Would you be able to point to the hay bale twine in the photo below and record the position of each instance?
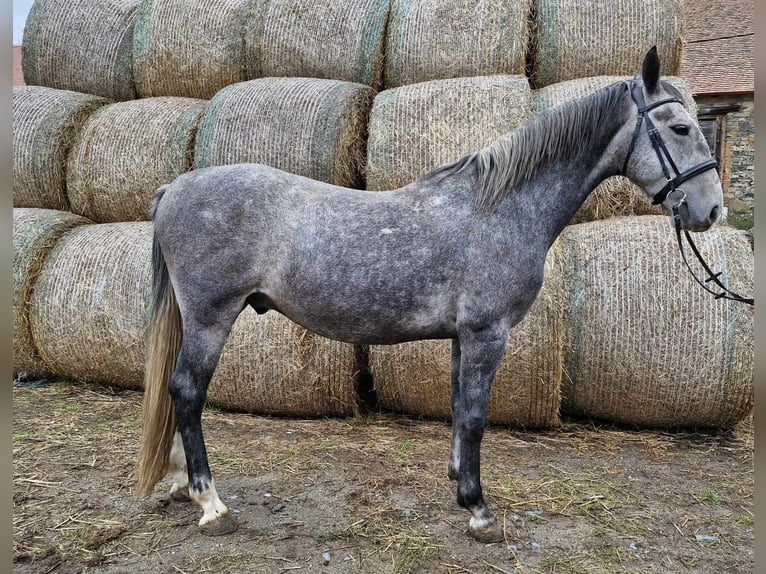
(45, 123)
(35, 232)
(577, 39)
(307, 126)
(89, 310)
(645, 344)
(432, 40)
(81, 45)
(415, 377)
(616, 196)
(125, 151)
(271, 365)
(340, 39)
(188, 48)
(416, 128)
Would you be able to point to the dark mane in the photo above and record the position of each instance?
(559, 132)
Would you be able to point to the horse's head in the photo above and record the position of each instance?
(668, 156)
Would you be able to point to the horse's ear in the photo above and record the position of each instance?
(651, 70)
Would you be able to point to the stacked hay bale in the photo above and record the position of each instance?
(307, 126)
(89, 316)
(271, 365)
(645, 344)
(416, 128)
(617, 196)
(188, 48)
(429, 40)
(340, 39)
(35, 232)
(127, 150)
(415, 377)
(88, 312)
(580, 39)
(45, 123)
(81, 45)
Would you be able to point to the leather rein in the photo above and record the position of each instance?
(673, 181)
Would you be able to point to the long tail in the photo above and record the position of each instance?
(159, 423)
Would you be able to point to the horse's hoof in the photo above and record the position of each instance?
(181, 495)
(224, 524)
(488, 534)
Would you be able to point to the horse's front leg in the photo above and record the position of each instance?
(453, 471)
(480, 353)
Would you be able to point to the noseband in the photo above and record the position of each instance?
(673, 183)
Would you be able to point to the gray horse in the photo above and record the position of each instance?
(457, 254)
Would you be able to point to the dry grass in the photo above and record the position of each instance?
(373, 493)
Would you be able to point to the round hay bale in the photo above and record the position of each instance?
(415, 377)
(81, 45)
(270, 365)
(577, 39)
(45, 123)
(307, 126)
(616, 196)
(416, 128)
(188, 48)
(340, 39)
(645, 344)
(89, 310)
(125, 151)
(35, 232)
(432, 40)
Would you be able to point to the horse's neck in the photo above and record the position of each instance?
(552, 197)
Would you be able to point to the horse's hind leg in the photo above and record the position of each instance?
(200, 349)
(177, 468)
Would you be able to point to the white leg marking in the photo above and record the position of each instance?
(177, 465)
(212, 507)
(478, 523)
(454, 458)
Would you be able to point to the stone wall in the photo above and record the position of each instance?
(737, 154)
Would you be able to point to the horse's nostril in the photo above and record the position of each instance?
(714, 213)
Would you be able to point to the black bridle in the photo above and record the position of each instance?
(673, 181)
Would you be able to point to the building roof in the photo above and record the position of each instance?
(18, 75)
(718, 55)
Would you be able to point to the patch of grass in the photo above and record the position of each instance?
(746, 520)
(741, 221)
(712, 496)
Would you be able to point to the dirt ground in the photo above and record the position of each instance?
(371, 494)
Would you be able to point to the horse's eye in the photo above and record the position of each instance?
(680, 129)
